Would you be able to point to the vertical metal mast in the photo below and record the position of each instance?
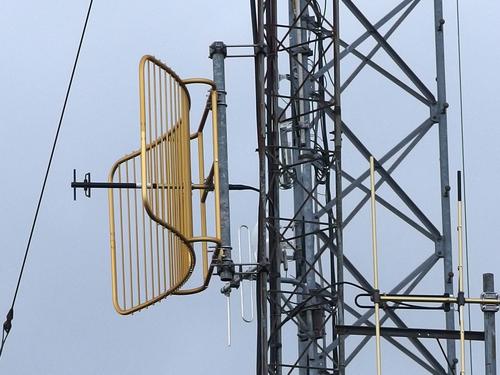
(304, 298)
(275, 254)
(308, 178)
(490, 360)
(217, 53)
(257, 13)
(304, 225)
(339, 242)
(439, 115)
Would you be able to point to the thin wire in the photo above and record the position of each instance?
(10, 314)
(5, 334)
(460, 90)
(446, 357)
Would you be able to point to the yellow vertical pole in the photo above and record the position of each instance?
(216, 164)
(460, 274)
(375, 264)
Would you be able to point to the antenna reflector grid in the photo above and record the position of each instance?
(151, 230)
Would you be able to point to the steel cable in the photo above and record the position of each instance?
(462, 138)
(10, 315)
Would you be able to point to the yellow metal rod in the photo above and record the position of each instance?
(429, 299)
(161, 166)
(203, 208)
(461, 285)
(432, 299)
(155, 175)
(120, 199)
(375, 264)
(168, 152)
(216, 164)
(148, 174)
(131, 281)
(137, 237)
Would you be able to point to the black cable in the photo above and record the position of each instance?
(240, 187)
(352, 284)
(5, 334)
(446, 357)
(10, 315)
(408, 306)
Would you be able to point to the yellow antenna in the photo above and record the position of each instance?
(152, 233)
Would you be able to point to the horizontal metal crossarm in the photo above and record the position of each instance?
(420, 333)
(416, 276)
(130, 185)
(293, 367)
(390, 51)
(133, 185)
(438, 299)
(391, 340)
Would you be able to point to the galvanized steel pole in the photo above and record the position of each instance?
(438, 115)
(257, 9)
(490, 362)
(218, 52)
(339, 239)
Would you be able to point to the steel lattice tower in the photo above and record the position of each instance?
(300, 137)
(319, 166)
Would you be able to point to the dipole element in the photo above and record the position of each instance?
(375, 264)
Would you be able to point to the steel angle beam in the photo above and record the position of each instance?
(421, 333)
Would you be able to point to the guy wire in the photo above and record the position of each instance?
(461, 102)
(10, 315)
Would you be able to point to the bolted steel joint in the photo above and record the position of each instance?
(376, 296)
(446, 305)
(440, 24)
(226, 266)
(489, 307)
(461, 299)
(217, 48)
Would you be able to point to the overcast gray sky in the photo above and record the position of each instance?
(64, 320)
